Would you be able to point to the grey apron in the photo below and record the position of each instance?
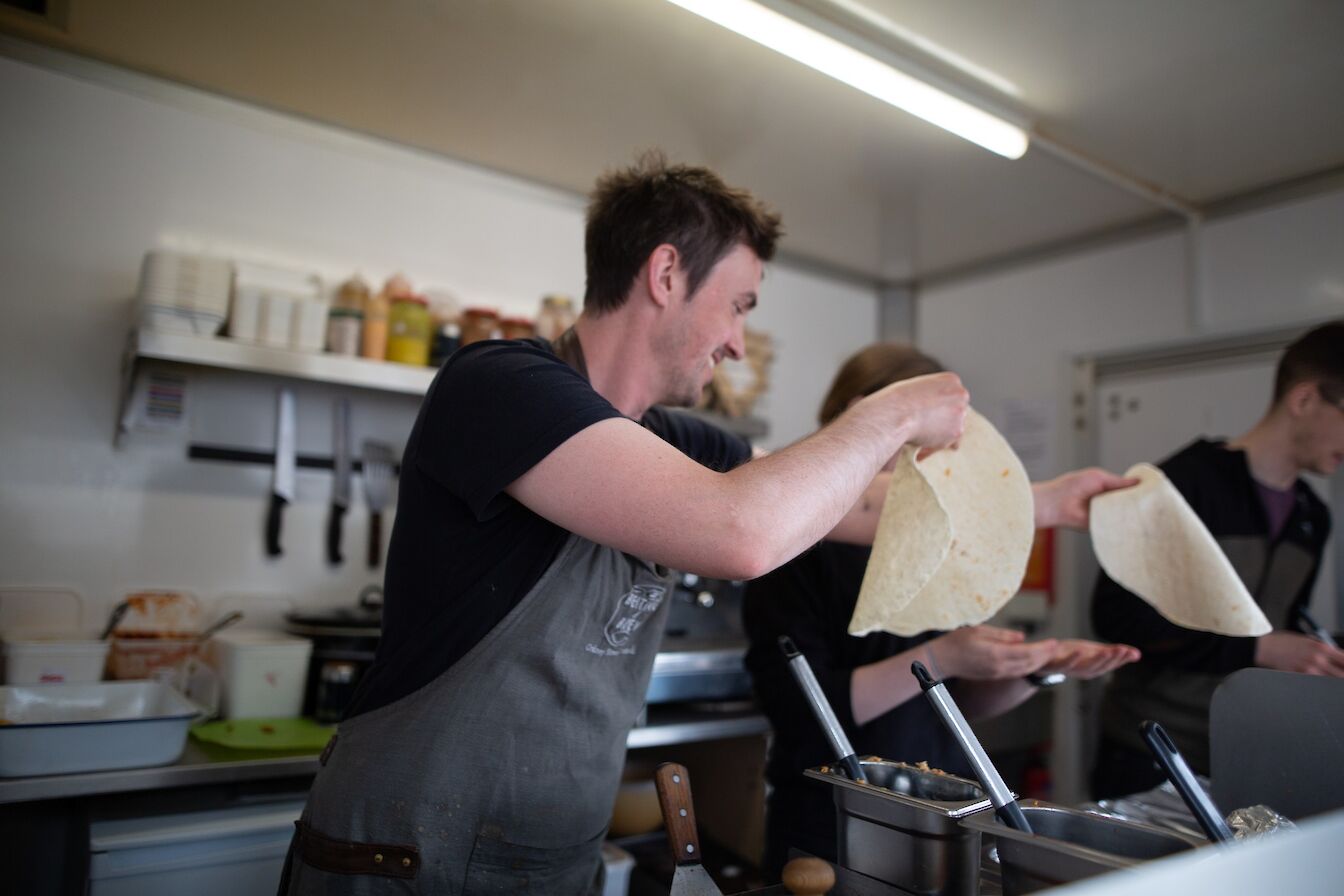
(1179, 699)
(499, 775)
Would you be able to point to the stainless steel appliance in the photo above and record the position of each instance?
(701, 656)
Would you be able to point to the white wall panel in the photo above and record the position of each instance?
(98, 165)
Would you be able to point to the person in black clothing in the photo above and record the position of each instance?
(1272, 527)
(867, 680)
(543, 501)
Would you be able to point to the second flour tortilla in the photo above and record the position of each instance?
(1149, 540)
(953, 539)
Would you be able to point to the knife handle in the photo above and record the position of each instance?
(375, 538)
(674, 796)
(277, 504)
(334, 534)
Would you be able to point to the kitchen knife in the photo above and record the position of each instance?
(674, 796)
(282, 482)
(377, 468)
(340, 481)
(1005, 806)
(1183, 779)
(821, 707)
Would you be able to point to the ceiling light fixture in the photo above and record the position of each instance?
(863, 72)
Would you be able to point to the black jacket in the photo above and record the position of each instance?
(1180, 667)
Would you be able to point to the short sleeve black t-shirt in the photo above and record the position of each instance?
(463, 553)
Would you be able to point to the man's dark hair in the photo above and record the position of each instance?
(637, 209)
(1317, 356)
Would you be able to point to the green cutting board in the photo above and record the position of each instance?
(266, 734)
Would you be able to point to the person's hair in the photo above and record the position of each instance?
(637, 209)
(871, 369)
(1317, 356)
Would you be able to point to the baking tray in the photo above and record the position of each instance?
(51, 729)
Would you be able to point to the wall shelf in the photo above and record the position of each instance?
(206, 351)
(386, 376)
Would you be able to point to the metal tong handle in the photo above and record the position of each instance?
(1183, 779)
(1313, 628)
(674, 796)
(1005, 806)
(816, 698)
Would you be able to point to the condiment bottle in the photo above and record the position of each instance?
(346, 319)
(478, 324)
(409, 331)
(556, 316)
(516, 328)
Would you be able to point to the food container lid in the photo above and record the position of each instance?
(480, 312)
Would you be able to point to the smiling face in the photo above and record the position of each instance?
(706, 327)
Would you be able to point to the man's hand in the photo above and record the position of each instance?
(986, 653)
(1088, 659)
(1063, 501)
(932, 408)
(1292, 652)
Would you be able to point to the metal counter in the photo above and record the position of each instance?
(203, 764)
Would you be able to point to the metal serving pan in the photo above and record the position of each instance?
(1068, 845)
(902, 827)
(50, 729)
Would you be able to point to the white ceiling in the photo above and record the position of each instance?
(1204, 98)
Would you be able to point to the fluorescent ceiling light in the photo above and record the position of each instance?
(862, 72)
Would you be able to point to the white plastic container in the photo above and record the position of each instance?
(263, 673)
(619, 864)
(64, 728)
(32, 658)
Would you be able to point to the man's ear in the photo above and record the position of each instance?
(1301, 398)
(663, 271)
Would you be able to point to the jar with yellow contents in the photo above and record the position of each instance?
(409, 331)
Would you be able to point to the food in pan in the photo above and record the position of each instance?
(953, 539)
(1150, 541)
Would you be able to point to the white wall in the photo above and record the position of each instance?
(97, 165)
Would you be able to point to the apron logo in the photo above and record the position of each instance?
(634, 609)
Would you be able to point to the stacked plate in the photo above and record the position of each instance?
(181, 293)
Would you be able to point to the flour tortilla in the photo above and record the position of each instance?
(965, 514)
(1150, 541)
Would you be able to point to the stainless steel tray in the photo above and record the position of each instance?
(902, 827)
(1067, 845)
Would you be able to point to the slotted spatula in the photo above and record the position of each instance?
(377, 472)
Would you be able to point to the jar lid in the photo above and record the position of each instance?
(481, 312)
(557, 299)
(516, 321)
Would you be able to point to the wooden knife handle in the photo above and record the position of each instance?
(674, 795)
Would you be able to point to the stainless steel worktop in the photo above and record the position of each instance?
(204, 764)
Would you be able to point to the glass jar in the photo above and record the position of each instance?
(516, 328)
(409, 331)
(478, 324)
(556, 316)
(343, 331)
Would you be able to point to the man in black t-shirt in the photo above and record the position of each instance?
(543, 498)
(1273, 528)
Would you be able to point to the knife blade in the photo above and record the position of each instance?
(282, 479)
(340, 483)
(674, 796)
